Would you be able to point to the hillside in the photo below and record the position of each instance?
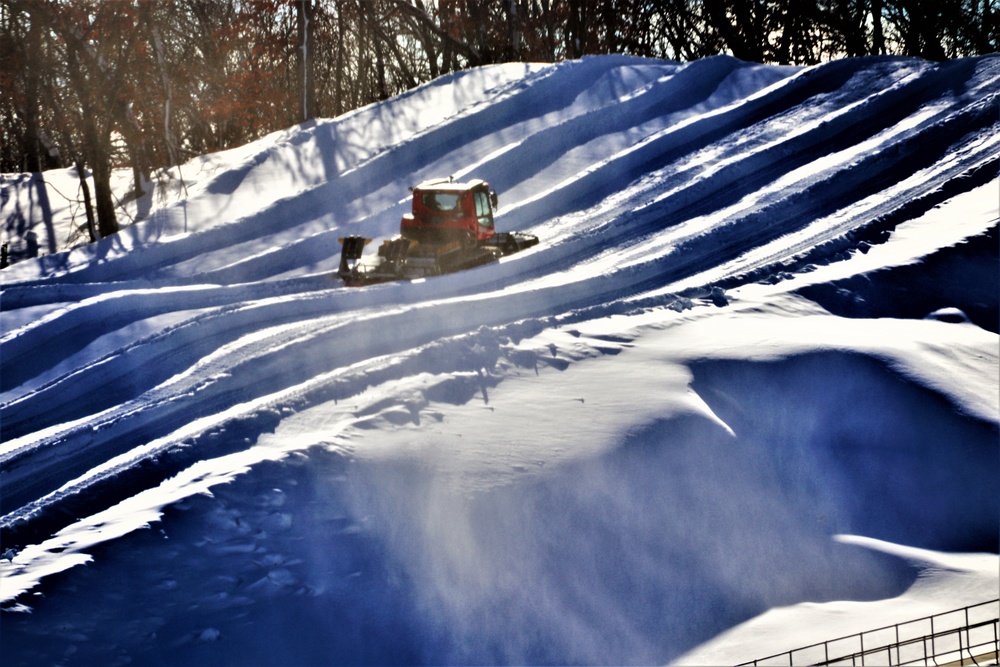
(752, 365)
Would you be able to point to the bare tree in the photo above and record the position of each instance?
(149, 84)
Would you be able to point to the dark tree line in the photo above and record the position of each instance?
(147, 84)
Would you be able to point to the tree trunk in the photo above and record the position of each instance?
(33, 160)
(87, 205)
(738, 35)
(609, 18)
(851, 24)
(383, 91)
(513, 29)
(929, 30)
(575, 26)
(878, 36)
(550, 31)
(97, 146)
(305, 10)
(426, 41)
(107, 222)
(168, 93)
(96, 150)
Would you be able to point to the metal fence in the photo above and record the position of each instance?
(966, 636)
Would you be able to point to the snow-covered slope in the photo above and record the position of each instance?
(762, 317)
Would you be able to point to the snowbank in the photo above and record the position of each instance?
(741, 398)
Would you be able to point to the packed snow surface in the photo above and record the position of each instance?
(741, 398)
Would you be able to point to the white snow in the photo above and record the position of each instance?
(742, 398)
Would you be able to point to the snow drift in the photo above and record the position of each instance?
(762, 318)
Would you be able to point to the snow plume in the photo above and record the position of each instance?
(632, 556)
(677, 527)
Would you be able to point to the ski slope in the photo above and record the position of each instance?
(752, 365)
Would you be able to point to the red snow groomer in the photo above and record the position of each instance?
(449, 229)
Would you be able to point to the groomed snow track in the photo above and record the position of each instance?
(126, 361)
